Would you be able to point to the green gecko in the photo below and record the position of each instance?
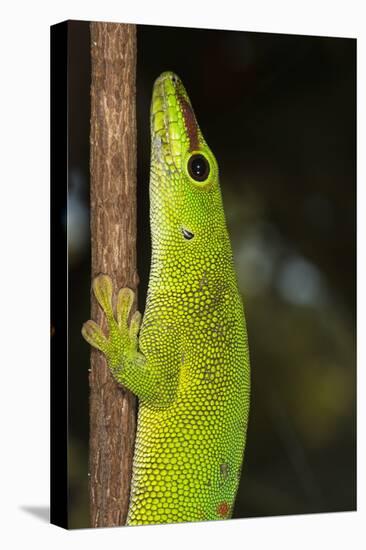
(189, 362)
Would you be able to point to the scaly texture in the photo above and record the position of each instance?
(190, 365)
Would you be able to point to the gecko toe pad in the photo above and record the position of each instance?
(125, 300)
(103, 290)
(93, 334)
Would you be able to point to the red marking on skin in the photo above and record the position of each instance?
(223, 509)
(190, 123)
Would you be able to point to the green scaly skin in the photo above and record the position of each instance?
(189, 366)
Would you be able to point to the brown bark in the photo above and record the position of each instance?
(113, 241)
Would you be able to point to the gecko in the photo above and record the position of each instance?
(187, 358)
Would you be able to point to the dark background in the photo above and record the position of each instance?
(279, 112)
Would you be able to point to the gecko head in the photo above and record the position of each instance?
(185, 197)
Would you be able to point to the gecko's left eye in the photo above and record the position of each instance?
(198, 167)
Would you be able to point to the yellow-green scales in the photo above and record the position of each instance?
(189, 364)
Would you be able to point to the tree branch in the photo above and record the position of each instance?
(113, 243)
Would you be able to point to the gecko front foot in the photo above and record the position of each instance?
(121, 342)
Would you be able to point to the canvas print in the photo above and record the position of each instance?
(204, 309)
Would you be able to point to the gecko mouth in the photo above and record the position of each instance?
(173, 122)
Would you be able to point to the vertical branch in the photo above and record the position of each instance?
(113, 240)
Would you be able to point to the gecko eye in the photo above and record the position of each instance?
(198, 167)
(187, 234)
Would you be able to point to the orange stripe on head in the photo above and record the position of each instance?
(190, 123)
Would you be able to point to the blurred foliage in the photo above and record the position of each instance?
(279, 113)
